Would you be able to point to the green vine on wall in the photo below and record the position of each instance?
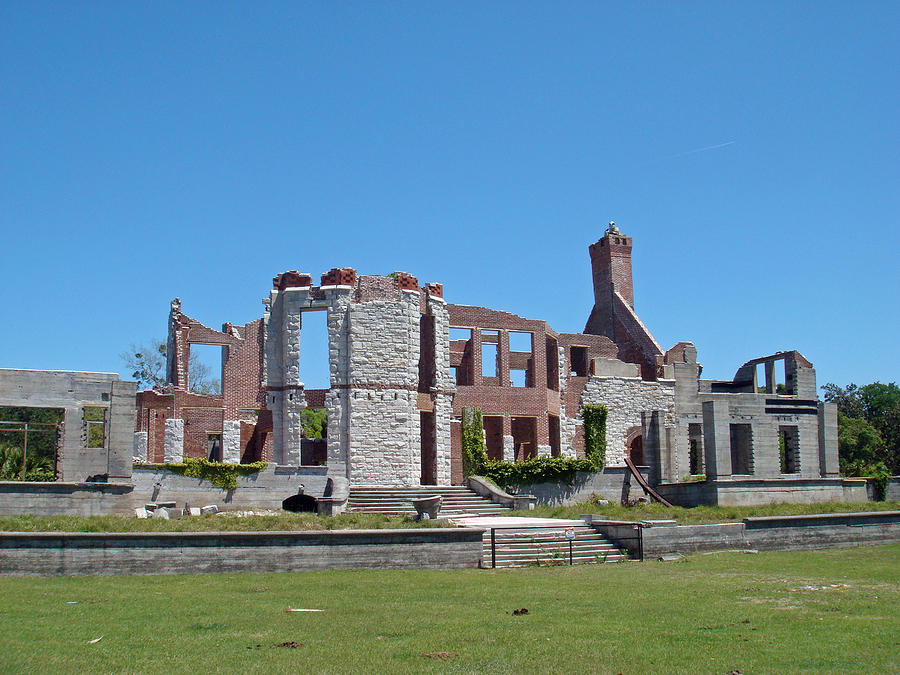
(474, 452)
(594, 417)
(221, 475)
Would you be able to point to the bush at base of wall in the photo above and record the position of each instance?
(221, 475)
(536, 469)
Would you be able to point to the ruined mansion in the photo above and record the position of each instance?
(404, 363)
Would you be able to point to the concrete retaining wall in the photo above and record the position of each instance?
(606, 484)
(756, 491)
(777, 533)
(65, 499)
(264, 490)
(76, 554)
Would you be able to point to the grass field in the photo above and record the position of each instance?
(703, 515)
(825, 611)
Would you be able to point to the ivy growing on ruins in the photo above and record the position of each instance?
(513, 475)
(474, 452)
(221, 475)
(594, 418)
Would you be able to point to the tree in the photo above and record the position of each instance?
(314, 422)
(868, 426)
(149, 369)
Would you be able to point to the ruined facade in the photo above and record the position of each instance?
(403, 364)
(96, 432)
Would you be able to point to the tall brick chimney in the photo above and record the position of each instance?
(611, 268)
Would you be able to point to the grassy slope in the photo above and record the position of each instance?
(702, 515)
(831, 611)
(211, 523)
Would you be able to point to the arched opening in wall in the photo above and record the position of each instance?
(634, 446)
(300, 504)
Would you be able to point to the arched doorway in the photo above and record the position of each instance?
(634, 446)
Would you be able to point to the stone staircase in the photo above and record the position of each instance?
(395, 501)
(546, 546)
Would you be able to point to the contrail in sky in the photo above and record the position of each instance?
(709, 147)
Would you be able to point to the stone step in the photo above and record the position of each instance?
(388, 500)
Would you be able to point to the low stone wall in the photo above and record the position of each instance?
(756, 491)
(89, 553)
(891, 492)
(777, 533)
(67, 499)
(606, 484)
(264, 490)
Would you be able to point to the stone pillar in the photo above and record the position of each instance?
(653, 431)
(828, 440)
(716, 440)
(444, 387)
(231, 442)
(173, 443)
(140, 446)
(509, 448)
(544, 451)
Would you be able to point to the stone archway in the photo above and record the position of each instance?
(634, 446)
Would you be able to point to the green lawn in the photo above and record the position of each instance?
(703, 515)
(832, 611)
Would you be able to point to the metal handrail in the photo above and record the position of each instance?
(526, 527)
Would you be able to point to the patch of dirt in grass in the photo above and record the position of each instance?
(438, 655)
(290, 644)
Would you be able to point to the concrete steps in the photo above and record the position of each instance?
(518, 548)
(396, 501)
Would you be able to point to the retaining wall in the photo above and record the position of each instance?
(264, 490)
(606, 484)
(649, 539)
(89, 553)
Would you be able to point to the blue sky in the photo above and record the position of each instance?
(154, 150)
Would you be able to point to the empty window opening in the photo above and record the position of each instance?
(780, 374)
(493, 436)
(94, 426)
(553, 430)
(762, 384)
(789, 449)
(524, 433)
(490, 354)
(428, 444)
(314, 372)
(520, 342)
(695, 449)
(518, 377)
(214, 447)
(464, 334)
(426, 353)
(552, 365)
(578, 360)
(205, 369)
(454, 373)
(741, 449)
(29, 439)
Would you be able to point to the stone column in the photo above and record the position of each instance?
(828, 440)
(653, 431)
(231, 442)
(140, 446)
(173, 444)
(716, 440)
